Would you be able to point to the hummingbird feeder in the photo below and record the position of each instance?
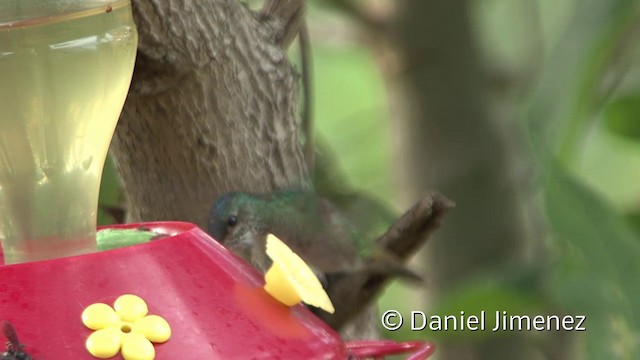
(66, 67)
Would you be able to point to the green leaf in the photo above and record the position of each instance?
(598, 271)
(634, 220)
(568, 91)
(622, 117)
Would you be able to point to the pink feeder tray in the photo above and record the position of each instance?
(213, 301)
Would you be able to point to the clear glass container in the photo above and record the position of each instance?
(65, 70)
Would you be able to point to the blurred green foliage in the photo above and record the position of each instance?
(596, 269)
(111, 195)
(588, 164)
(352, 117)
(621, 117)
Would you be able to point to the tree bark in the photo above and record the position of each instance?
(212, 108)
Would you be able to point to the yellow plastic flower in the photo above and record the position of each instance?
(290, 280)
(125, 326)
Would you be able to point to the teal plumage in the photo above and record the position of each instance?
(310, 225)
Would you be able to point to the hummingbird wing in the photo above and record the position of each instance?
(352, 291)
(316, 230)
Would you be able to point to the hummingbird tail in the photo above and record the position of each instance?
(386, 264)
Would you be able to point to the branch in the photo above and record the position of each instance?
(405, 236)
(289, 17)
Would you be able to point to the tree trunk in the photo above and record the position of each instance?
(448, 140)
(212, 108)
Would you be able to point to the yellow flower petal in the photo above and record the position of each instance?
(279, 287)
(104, 343)
(99, 316)
(289, 267)
(136, 347)
(130, 307)
(154, 327)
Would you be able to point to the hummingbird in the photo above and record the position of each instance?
(312, 226)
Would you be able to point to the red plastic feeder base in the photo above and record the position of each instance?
(213, 301)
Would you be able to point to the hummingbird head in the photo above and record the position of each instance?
(235, 221)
